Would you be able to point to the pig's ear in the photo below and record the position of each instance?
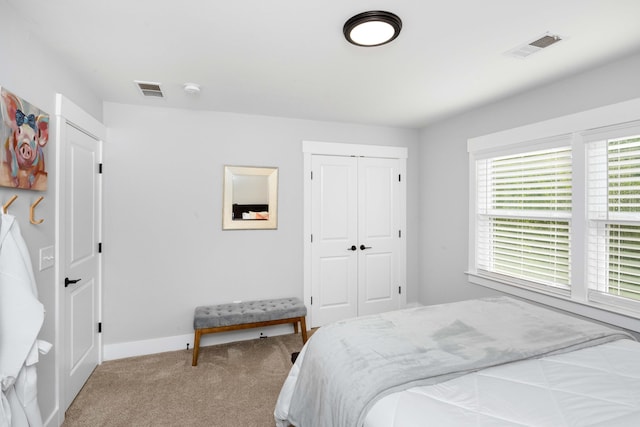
(42, 123)
(10, 104)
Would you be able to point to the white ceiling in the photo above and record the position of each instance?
(289, 58)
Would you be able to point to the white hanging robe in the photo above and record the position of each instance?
(21, 317)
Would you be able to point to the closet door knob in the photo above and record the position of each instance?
(352, 248)
(68, 281)
(363, 247)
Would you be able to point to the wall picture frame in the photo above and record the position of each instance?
(250, 198)
(24, 133)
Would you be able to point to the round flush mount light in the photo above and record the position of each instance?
(373, 28)
(192, 88)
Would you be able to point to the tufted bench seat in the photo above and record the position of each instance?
(209, 319)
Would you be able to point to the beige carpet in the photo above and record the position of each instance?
(234, 384)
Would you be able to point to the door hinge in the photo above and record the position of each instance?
(399, 177)
(99, 327)
(312, 175)
(100, 247)
(311, 300)
(400, 234)
(99, 167)
(399, 290)
(311, 238)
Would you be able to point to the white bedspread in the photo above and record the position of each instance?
(347, 366)
(595, 386)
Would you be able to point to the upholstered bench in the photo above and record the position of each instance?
(209, 319)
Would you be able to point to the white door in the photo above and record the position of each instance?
(82, 264)
(334, 250)
(354, 223)
(378, 235)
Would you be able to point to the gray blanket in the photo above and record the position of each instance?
(349, 365)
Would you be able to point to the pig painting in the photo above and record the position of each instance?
(24, 131)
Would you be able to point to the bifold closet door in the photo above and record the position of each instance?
(355, 237)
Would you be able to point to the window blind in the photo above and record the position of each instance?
(537, 183)
(614, 213)
(524, 206)
(566, 235)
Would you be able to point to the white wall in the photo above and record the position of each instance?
(164, 248)
(444, 232)
(31, 72)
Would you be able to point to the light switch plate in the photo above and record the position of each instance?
(46, 257)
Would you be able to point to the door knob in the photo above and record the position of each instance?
(68, 281)
(352, 248)
(363, 247)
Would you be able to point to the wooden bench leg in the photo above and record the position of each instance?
(303, 327)
(199, 332)
(196, 347)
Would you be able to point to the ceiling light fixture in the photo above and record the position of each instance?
(373, 28)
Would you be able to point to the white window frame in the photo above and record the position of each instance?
(484, 211)
(579, 300)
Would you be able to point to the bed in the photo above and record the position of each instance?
(249, 212)
(487, 362)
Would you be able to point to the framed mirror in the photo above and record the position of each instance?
(250, 198)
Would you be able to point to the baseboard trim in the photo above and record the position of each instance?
(179, 342)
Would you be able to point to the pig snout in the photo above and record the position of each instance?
(25, 144)
(26, 152)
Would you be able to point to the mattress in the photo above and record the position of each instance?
(595, 386)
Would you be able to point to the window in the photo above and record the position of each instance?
(559, 216)
(523, 221)
(613, 203)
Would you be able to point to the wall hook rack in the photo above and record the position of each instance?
(32, 209)
(5, 207)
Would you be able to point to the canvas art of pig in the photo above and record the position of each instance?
(27, 132)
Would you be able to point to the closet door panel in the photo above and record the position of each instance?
(334, 282)
(379, 274)
(334, 231)
(375, 189)
(378, 235)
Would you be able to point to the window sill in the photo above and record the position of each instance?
(600, 308)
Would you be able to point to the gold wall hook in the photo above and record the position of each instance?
(32, 209)
(5, 207)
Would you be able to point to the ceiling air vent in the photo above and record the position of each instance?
(534, 46)
(150, 89)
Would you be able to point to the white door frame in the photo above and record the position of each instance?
(310, 148)
(69, 113)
